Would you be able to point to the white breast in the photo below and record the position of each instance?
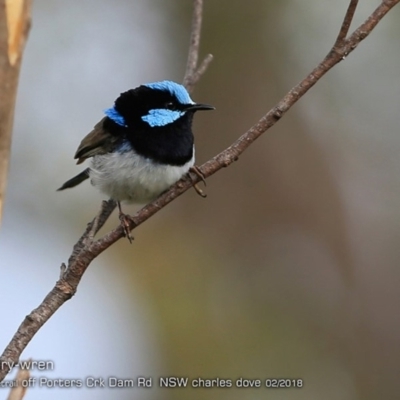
(130, 177)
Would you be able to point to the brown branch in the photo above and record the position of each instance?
(195, 34)
(201, 70)
(87, 249)
(192, 74)
(14, 27)
(344, 30)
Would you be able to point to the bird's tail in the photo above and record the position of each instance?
(76, 180)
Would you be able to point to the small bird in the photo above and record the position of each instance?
(142, 146)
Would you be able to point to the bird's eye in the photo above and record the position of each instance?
(170, 106)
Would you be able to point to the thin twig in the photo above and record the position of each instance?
(107, 207)
(66, 287)
(195, 34)
(194, 46)
(344, 29)
(201, 70)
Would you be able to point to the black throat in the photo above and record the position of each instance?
(171, 144)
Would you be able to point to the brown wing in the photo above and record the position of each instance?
(98, 141)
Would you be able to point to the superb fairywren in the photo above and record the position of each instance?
(143, 145)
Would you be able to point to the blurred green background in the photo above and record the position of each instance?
(289, 268)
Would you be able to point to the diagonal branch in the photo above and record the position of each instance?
(88, 250)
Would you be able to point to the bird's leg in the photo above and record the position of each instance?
(197, 171)
(125, 219)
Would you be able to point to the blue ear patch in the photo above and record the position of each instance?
(114, 115)
(162, 117)
(175, 89)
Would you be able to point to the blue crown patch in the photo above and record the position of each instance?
(175, 89)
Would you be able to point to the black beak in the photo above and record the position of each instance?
(198, 107)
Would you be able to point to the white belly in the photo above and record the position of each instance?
(132, 178)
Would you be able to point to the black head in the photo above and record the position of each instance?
(156, 119)
(153, 105)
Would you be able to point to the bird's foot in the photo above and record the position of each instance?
(197, 171)
(125, 220)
